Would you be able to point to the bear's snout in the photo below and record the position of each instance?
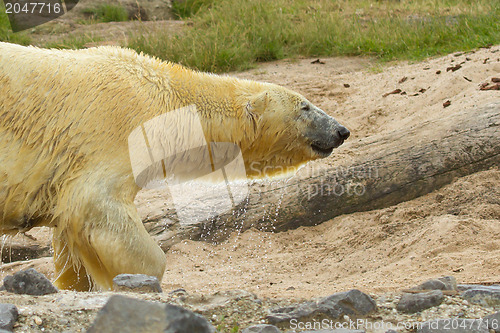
(324, 132)
(343, 132)
(324, 144)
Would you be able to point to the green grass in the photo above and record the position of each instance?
(107, 13)
(235, 34)
(188, 8)
(73, 42)
(6, 34)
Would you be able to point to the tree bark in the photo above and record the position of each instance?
(383, 170)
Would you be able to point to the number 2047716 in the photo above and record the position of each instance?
(33, 8)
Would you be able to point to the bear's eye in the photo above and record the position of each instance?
(305, 106)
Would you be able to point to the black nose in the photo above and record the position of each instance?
(343, 132)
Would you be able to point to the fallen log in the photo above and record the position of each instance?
(383, 170)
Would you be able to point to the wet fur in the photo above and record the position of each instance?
(65, 117)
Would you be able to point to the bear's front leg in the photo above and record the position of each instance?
(69, 274)
(110, 239)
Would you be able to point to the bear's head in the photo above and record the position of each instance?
(274, 129)
(287, 131)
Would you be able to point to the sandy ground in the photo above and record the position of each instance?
(452, 231)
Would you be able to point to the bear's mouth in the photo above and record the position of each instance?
(322, 151)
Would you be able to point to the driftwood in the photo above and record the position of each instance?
(383, 170)
(15, 250)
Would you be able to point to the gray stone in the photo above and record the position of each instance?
(412, 303)
(493, 322)
(29, 282)
(299, 311)
(443, 283)
(484, 296)
(8, 316)
(464, 287)
(137, 282)
(432, 285)
(449, 281)
(261, 328)
(454, 325)
(129, 315)
(353, 303)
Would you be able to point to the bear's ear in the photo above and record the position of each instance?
(257, 103)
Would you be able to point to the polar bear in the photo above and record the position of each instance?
(65, 119)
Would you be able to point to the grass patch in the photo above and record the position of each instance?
(6, 34)
(73, 42)
(235, 34)
(188, 8)
(107, 13)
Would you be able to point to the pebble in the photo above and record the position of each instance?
(352, 303)
(493, 322)
(29, 282)
(412, 303)
(464, 287)
(129, 315)
(37, 320)
(443, 283)
(137, 283)
(8, 316)
(484, 296)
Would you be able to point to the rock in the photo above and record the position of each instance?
(464, 287)
(411, 303)
(484, 296)
(136, 282)
(443, 283)
(125, 314)
(218, 300)
(449, 281)
(299, 311)
(352, 303)
(454, 325)
(432, 285)
(8, 316)
(493, 322)
(29, 282)
(261, 328)
(37, 320)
